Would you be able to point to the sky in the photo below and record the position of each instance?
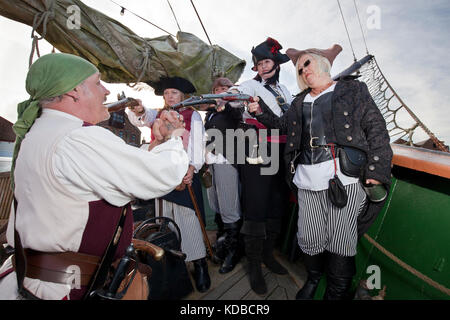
(410, 40)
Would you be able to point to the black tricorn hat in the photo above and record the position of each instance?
(269, 49)
(179, 83)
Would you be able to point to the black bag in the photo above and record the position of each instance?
(337, 193)
(170, 278)
(351, 161)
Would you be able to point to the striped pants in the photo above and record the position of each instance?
(322, 226)
(191, 233)
(223, 196)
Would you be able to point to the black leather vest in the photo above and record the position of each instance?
(313, 130)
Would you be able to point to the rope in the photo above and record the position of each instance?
(201, 22)
(348, 35)
(390, 104)
(174, 15)
(360, 26)
(142, 67)
(40, 18)
(142, 18)
(415, 272)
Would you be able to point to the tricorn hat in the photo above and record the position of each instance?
(179, 83)
(269, 49)
(329, 53)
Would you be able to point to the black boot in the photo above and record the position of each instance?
(340, 272)
(231, 243)
(253, 251)
(272, 231)
(315, 266)
(220, 226)
(201, 275)
(219, 251)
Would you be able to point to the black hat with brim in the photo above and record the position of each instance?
(269, 49)
(179, 83)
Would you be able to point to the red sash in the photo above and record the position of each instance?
(259, 125)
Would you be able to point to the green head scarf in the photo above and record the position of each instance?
(49, 76)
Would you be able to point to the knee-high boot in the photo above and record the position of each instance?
(253, 250)
(340, 272)
(315, 266)
(272, 231)
(254, 234)
(219, 246)
(231, 244)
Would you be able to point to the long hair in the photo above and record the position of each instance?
(183, 96)
(273, 79)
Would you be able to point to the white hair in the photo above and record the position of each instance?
(49, 102)
(323, 64)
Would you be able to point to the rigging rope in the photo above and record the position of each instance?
(201, 22)
(406, 266)
(348, 35)
(174, 15)
(390, 104)
(360, 26)
(39, 19)
(123, 8)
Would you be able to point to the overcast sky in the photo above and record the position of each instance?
(410, 41)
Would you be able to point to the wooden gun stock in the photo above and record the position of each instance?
(156, 252)
(122, 103)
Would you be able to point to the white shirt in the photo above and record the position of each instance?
(197, 139)
(256, 88)
(316, 176)
(61, 167)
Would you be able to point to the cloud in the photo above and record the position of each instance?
(411, 47)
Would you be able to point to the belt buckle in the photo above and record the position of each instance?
(311, 142)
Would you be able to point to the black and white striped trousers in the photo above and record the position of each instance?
(224, 194)
(322, 226)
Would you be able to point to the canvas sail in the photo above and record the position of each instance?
(120, 54)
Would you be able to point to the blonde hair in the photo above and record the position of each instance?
(323, 64)
(183, 97)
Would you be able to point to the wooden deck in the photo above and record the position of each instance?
(236, 286)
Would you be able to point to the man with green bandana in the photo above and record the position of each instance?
(71, 178)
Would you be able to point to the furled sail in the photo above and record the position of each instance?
(120, 54)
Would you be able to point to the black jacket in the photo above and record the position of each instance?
(356, 121)
(226, 119)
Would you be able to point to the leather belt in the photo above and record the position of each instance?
(60, 267)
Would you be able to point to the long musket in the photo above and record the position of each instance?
(211, 99)
(202, 226)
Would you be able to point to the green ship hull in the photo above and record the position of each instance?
(414, 227)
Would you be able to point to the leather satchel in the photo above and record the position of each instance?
(351, 161)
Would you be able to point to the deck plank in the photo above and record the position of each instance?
(236, 285)
(225, 285)
(271, 284)
(288, 283)
(278, 294)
